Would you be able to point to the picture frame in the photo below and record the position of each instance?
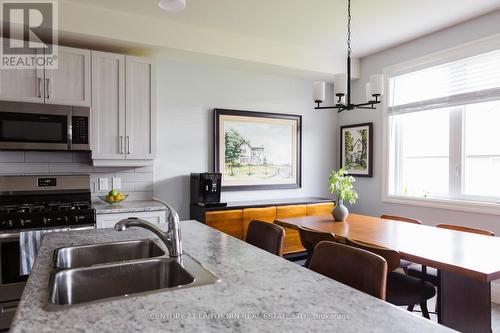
(356, 149)
(257, 150)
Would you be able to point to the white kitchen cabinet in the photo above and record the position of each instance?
(109, 220)
(108, 106)
(140, 109)
(22, 85)
(123, 109)
(69, 84)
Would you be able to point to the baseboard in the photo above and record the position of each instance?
(495, 292)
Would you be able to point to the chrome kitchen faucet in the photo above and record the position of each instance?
(171, 238)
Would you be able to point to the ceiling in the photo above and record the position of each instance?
(315, 24)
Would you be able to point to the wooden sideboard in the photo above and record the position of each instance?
(235, 217)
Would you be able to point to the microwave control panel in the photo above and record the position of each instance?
(80, 130)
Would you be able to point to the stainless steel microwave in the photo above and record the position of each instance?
(57, 128)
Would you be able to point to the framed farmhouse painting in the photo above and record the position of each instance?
(356, 149)
(256, 150)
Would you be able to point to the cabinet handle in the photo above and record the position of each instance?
(40, 87)
(120, 144)
(128, 145)
(47, 80)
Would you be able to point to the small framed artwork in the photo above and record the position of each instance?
(257, 150)
(356, 149)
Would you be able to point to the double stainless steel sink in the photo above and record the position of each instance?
(98, 272)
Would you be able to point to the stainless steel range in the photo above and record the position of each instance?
(35, 203)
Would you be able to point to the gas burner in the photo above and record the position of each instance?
(65, 206)
(38, 208)
(53, 206)
(81, 205)
(24, 208)
(7, 209)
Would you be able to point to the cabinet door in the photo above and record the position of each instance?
(227, 221)
(22, 85)
(108, 106)
(109, 220)
(140, 109)
(292, 238)
(69, 84)
(265, 214)
(320, 209)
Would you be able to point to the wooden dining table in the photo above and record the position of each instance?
(467, 263)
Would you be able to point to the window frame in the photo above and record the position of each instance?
(457, 200)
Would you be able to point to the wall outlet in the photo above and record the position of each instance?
(117, 183)
(103, 184)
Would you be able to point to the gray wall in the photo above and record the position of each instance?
(189, 90)
(370, 188)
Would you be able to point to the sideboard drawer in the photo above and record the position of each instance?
(227, 221)
(265, 214)
(292, 238)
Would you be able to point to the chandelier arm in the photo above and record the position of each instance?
(329, 107)
(370, 103)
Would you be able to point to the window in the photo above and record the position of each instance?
(443, 130)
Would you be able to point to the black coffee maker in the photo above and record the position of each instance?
(206, 189)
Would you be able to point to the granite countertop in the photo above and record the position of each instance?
(127, 207)
(258, 292)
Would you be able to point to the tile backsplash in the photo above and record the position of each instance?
(136, 182)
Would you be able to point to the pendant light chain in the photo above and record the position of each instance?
(348, 28)
(374, 89)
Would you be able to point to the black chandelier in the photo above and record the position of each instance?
(342, 83)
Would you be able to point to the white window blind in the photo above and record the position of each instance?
(471, 80)
(444, 130)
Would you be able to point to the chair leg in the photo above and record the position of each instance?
(438, 300)
(425, 311)
(410, 308)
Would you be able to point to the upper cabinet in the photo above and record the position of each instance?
(22, 85)
(69, 84)
(140, 115)
(123, 110)
(108, 106)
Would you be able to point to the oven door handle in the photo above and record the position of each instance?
(15, 234)
(8, 308)
(5, 235)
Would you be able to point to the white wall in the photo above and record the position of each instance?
(189, 90)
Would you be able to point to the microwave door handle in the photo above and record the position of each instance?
(70, 129)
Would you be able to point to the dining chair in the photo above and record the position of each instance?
(266, 236)
(430, 274)
(402, 289)
(404, 264)
(400, 219)
(310, 238)
(357, 268)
